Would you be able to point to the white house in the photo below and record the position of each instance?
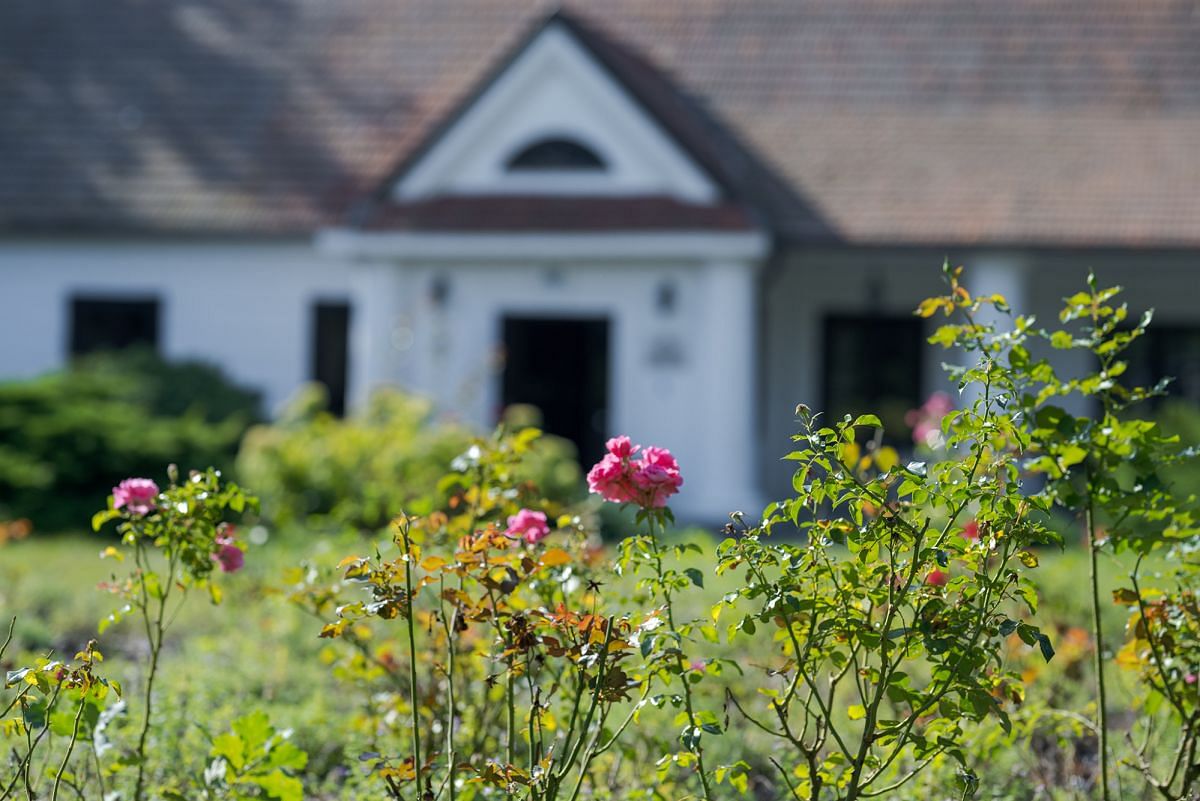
(670, 220)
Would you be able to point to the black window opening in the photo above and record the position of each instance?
(561, 367)
(1166, 351)
(873, 365)
(331, 350)
(111, 324)
(556, 154)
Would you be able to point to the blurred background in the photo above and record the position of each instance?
(297, 238)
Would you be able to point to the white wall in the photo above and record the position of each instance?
(452, 352)
(245, 307)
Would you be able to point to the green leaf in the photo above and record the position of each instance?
(280, 786)
(696, 576)
(231, 748)
(286, 754)
(1061, 340)
(153, 585)
(254, 729)
(1045, 646)
(100, 518)
(1071, 455)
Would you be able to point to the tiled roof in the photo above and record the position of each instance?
(1074, 122)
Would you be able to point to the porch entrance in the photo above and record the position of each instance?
(561, 367)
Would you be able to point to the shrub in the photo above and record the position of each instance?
(486, 649)
(68, 437)
(317, 470)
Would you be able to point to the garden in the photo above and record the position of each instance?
(391, 606)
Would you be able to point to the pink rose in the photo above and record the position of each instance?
(659, 457)
(135, 494)
(647, 480)
(621, 447)
(528, 525)
(228, 556)
(656, 483)
(611, 480)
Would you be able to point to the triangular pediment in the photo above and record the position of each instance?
(554, 120)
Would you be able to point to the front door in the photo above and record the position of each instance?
(561, 367)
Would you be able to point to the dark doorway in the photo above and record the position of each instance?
(561, 367)
(330, 348)
(112, 324)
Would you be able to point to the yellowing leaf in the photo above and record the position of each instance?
(432, 563)
(1129, 656)
(331, 630)
(930, 306)
(555, 557)
(857, 712)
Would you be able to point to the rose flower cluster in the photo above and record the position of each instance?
(624, 475)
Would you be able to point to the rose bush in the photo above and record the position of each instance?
(877, 633)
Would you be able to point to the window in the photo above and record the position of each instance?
(873, 365)
(555, 154)
(1167, 351)
(330, 350)
(112, 324)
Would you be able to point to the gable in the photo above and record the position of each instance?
(555, 92)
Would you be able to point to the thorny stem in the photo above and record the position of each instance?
(155, 630)
(1101, 690)
(412, 651)
(511, 705)
(451, 756)
(62, 768)
(12, 625)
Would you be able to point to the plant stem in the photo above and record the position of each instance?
(449, 624)
(412, 655)
(1101, 694)
(698, 750)
(154, 636)
(509, 686)
(62, 768)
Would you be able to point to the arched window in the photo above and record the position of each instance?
(555, 154)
